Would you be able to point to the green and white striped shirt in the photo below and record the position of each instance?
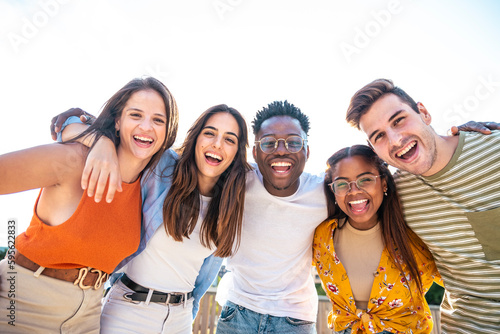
(456, 212)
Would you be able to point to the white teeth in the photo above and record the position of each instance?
(215, 156)
(409, 147)
(144, 139)
(281, 164)
(359, 201)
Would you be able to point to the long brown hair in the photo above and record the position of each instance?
(104, 125)
(223, 221)
(396, 233)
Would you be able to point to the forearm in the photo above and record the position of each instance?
(73, 130)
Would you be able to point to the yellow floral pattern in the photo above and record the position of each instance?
(391, 306)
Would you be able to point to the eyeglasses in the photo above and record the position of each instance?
(293, 144)
(342, 187)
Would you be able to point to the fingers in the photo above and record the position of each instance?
(492, 125)
(53, 131)
(115, 185)
(453, 131)
(95, 178)
(472, 126)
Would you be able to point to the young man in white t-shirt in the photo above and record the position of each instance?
(271, 289)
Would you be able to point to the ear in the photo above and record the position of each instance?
(384, 185)
(424, 114)
(254, 153)
(307, 156)
(117, 125)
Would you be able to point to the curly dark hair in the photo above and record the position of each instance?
(280, 108)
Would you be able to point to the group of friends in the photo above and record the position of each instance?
(119, 206)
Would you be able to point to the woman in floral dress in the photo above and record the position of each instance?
(374, 269)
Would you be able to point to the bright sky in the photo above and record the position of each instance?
(245, 53)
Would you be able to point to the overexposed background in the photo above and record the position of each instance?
(245, 53)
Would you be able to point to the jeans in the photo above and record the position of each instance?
(122, 316)
(236, 319)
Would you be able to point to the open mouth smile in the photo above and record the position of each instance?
(213, 158)
(408, 151)
(281, 166)
(143, 140)
(358, 206)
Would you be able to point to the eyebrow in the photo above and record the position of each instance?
(214, 128)
(273, 135)
(390, 120)
(137, 109)
(357, 177)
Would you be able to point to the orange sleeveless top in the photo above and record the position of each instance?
(97, 235)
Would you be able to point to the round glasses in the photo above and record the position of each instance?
(293, 144)
(342, 187)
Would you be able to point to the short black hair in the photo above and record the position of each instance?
(280, 108)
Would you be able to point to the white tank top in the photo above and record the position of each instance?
(167, 265)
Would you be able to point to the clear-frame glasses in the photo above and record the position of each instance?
(342, 187)
(293, 144)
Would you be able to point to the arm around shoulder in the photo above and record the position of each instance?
(41, 167)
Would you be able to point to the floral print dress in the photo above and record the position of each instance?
(391, 306)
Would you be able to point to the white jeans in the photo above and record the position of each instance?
(122, 316)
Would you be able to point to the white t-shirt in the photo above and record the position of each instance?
(167, 265)
(271, 271)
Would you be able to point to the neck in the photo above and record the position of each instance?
(282, 192)
(364, 226)
(206, 185)
(130, 169)
(445, 148)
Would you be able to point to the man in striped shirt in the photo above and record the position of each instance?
(450, 190)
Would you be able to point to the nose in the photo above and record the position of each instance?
(281, 149)
(217, 143)
(394, 137)
(146, 124)
(353, 187)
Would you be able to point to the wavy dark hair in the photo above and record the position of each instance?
(396, 233)
(222, 224)
(104, 125)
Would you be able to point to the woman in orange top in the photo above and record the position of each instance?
(374, 269)
(59, 264)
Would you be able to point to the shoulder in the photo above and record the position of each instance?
(326, 227)
(313, 178)
(168, 160)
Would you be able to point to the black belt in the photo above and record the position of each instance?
(140, 293)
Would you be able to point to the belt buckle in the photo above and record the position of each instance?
(181, 301)
(82, 274)
(127, 297)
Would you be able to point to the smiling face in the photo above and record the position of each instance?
(360, 205)
(142, 126)
(400, 136)
(281, 169)
(216, 147)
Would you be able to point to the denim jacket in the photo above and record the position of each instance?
(154, 189)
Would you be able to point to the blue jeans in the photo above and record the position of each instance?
(235, 319)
